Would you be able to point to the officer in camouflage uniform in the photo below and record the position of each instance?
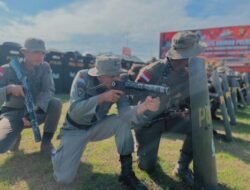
(90, 100)
(172, 72)
(13, 116)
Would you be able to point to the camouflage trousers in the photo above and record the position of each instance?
(11, 124)
(148, 139)
(73, 142)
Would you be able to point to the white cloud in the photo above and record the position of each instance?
(141, 20)
(3, 7)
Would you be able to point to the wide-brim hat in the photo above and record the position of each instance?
(209, 68)
(185, 45)
(33, 45)
(221, 69)
(106, 65)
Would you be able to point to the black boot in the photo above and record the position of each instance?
(47, 148)
(15, 145)
(182, 169)
(127, 176)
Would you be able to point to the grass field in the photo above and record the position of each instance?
(100, 166)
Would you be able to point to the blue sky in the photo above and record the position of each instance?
(108, 25)
(32, 7)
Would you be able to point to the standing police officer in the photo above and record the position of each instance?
(90, 100)
(172, 72)
(13, 116)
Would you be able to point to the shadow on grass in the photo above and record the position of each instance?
(223, 187)
(242, 115)
(240, 128)
(37, 173)
(238, 148)
(166, 182)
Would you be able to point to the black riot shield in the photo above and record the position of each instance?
(223, 108)
(233, 89)
(202, 130)
(54, 58)
(247, 86)
(8, 51)
(239, 90)
(89, 61)
(69, 70)
(228, 99)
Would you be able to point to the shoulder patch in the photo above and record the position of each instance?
(145, 76)
(81, 80)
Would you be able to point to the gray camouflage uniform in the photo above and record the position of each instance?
(13, 108)
(87, 121)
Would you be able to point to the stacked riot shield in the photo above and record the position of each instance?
(70, 69)
(218, 87)
(205, 176)
(228, 99)
(9, 50)
(89, 61)
(80, 62)
(55, 58)
(239, 91)
(247, 86)
(233, 89)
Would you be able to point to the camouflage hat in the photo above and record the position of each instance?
(184, 45)
(210, 68)
(106, 65)
(34, 45)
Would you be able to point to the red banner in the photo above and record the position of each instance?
(228, 45)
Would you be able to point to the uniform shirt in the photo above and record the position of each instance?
(40, 81)
(84, 109)
(162, 73)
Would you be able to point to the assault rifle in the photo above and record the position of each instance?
(28, 98)
(123, 85)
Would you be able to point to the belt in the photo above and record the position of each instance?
(75, 124)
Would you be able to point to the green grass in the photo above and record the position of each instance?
(100, 166)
